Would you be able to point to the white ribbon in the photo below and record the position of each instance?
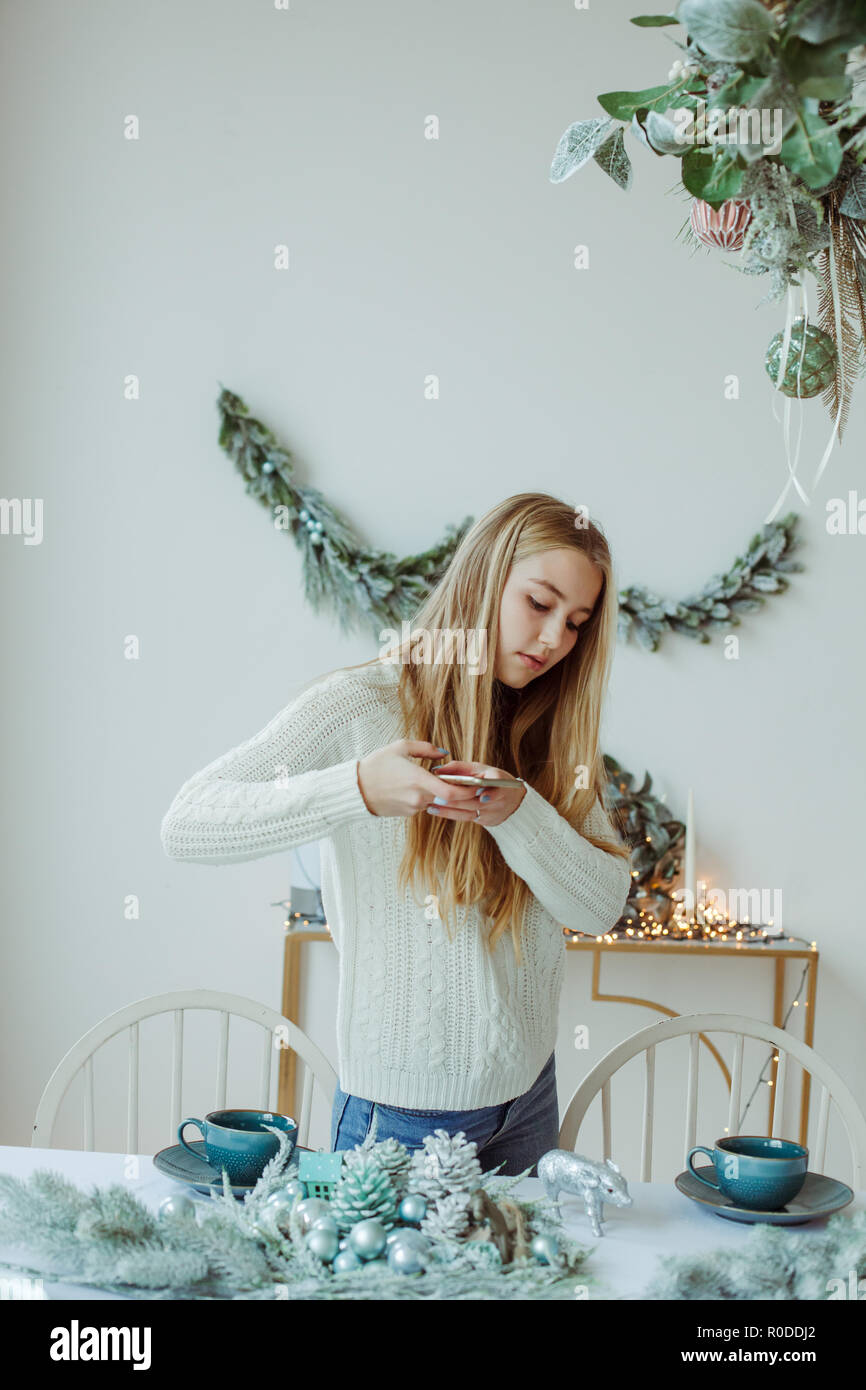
(783, 360)
(835, 290)
(786, 433)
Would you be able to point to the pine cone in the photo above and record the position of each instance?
(448, 1219)
(393, 1157)
(363, 1192)
(445, 1165)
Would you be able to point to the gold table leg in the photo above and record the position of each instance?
(650, 1004)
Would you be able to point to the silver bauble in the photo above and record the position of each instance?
(177, 1205)
(309, 1210)
(295, 1189)
(278, 1205)
(367, 1238)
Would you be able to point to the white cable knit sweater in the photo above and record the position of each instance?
(422, 1023)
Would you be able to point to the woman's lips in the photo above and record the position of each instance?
(530, 662)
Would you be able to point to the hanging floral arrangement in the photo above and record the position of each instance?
(766, 112)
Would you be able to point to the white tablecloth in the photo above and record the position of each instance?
(660, 1221)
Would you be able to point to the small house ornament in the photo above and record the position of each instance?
(320, 1172)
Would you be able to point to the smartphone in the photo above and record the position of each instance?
(465, 780)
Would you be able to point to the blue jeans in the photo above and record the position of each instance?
(518, 1132)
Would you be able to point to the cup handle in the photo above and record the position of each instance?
(699, 1149)
(180, 1129)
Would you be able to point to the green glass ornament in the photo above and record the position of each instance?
(818, 367)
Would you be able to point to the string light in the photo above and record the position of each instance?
(708, 923)
(292, 921)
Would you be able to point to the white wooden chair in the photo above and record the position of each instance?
(277, 1032)
(785, 1044)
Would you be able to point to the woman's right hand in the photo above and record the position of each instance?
(392, 785)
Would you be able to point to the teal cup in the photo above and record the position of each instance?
(238, 1141)
(755, 1172)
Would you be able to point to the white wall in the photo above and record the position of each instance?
(408, 257)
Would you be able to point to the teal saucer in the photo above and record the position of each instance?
(819, 1196)
(194, 1170)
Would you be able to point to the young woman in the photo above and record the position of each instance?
(442, 1022)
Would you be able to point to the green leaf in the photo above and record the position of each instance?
(811, 150)
(612, 158)
(659, 133)
(738, 90)
(653, 21)
(623, 105)
(818, 21)
(737, 30)
(713, 179)
(816, 70)
(577, 146)
(826, 88)
(768, 583)
(775, 94)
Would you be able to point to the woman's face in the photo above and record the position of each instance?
(545, 600)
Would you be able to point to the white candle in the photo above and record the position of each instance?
(689, 876)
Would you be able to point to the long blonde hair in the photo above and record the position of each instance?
(559, 712)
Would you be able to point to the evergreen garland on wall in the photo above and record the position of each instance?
(372, 589)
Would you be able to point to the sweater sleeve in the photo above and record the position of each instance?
(582, 887)
(279, 789)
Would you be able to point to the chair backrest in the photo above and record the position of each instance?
(646, 1040)
(278, 1032)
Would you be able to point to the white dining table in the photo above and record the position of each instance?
(660, 1221)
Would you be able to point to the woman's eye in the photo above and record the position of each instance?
(540, 608)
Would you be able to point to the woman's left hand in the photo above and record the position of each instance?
(500, 802)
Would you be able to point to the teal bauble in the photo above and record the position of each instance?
(324, 1243)
(367, 1239)
(545, 1249)
(326, 1223)
(412, 1208)
(818, 367)
(408, 1235)
(406, 1257)
(346, 1261)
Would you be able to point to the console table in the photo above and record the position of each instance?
(775, 952)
